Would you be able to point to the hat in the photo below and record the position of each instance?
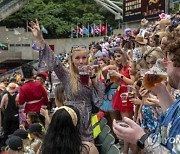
(118, 40)
(35, 127)
(127, 30)
(140, 40)
(144, 22)
(20, 133)
(2, 87)
(15, 143)
(12, 87)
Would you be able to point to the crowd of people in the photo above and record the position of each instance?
(132, 79)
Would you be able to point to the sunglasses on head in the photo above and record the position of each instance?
(77, 46)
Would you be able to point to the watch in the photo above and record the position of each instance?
(140, 142)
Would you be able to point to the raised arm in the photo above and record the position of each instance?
(45, 53)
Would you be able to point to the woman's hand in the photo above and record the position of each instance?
(139, 118)
(143, 92)
(44, 112)
(35, 28)
(113, 73)
(136, 101)
(152, 101)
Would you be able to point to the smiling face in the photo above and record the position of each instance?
(79, 58)
(118, 58)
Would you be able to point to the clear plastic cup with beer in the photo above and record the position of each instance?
(156, 74)
(96, 68)
(124, 97)
(112, 77)
(84, 75)
(150, 80)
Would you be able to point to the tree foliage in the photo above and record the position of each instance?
(59, 16)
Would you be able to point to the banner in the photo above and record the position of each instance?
(138, 9)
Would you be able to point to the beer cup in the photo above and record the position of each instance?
(122, 123)
(124, 99)
(84, 75)
(150, 80)
(96, 68)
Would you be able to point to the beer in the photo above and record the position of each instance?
(124, 99)
(112, 78)
(84, 78)
(96, 68)
(150, 80)
(131, 95)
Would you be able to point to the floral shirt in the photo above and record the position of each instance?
(169, 132)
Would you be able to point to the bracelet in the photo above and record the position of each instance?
(93, 77)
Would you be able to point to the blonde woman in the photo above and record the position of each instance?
(79, 95)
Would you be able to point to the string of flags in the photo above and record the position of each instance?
(91, 30)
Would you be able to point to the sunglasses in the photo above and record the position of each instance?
(151, 62)
(77, 46)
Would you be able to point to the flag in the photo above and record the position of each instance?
(96, 29)
(103, 29)
(44, 30)
(16, 32)
(85, 30)
(79, 30)
(91, 31)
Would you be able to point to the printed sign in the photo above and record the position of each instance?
(138, 9)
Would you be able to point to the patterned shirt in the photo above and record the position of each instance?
(169, 132)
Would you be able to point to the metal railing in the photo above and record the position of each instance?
(16, 69)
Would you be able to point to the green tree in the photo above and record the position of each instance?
(59, 16)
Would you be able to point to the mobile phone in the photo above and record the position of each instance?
(139, 83)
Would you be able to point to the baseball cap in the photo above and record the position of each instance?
(35, 127)
(15, 143)
(20, 133)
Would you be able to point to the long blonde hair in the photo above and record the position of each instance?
(73, 72)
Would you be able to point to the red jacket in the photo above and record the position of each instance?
(34, 95)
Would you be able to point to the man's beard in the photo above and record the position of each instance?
(173, 80)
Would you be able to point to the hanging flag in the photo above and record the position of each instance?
(85, 30)
(79, 30)
(44, 30)
(96, 29)
(16, 32)
(103, 29)
(91, 31)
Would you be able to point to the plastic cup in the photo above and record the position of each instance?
(96, 68)
(124, 99)
(44, 107)
(84, 75)
(122, 123)
(143, 71)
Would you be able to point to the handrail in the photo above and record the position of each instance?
(16, 69)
